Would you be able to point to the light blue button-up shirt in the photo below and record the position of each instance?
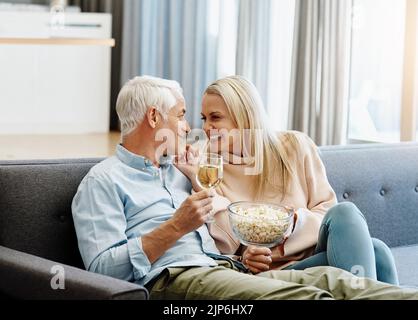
(123, 198)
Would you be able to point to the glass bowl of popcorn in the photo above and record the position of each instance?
(260, 224)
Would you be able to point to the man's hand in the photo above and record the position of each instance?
(190, 216)
(257, 259)
(193, 212)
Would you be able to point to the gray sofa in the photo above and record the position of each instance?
(37, 232)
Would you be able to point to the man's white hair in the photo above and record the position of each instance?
(141, 93)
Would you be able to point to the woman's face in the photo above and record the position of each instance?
(217, 123)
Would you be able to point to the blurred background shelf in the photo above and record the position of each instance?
(58, 41)
(55, 80)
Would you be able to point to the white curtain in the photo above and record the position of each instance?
(198, 41)
(171, 39)
(264, 52)
(319, 92)
(254, 43)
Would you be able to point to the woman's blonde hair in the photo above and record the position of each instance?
(268, 151)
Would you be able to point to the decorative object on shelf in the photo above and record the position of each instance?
(58, 13)
(58, 3)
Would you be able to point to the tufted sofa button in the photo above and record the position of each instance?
(416, 189)
(382, 192)
(62, 218)
(345, 195)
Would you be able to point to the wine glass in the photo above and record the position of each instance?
(210, 174)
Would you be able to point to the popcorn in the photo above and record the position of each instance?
(259, 224)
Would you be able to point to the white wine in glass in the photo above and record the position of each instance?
(210, 174)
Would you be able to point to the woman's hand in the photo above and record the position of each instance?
(187, 163)
(257, 259)
(280, 248)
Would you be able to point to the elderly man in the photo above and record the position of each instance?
(136, 220)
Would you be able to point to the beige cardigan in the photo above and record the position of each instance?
(309, 192)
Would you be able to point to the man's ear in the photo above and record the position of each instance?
(152, 117)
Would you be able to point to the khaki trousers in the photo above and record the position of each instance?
(225, 282)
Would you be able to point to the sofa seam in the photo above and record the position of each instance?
(47, 163)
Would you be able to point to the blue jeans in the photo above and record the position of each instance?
(344, 242)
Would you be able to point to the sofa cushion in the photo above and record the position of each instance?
(382, 180)
(35, 207)
(406, 259)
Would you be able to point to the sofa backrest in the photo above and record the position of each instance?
(36, 196)
(382, 180)
(35, 207)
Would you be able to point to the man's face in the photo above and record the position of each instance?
(177, 127)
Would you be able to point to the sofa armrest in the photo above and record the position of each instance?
(25, 276)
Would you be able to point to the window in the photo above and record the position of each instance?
(377, 56)
(383, 71)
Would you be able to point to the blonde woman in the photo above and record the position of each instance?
(284, 169)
